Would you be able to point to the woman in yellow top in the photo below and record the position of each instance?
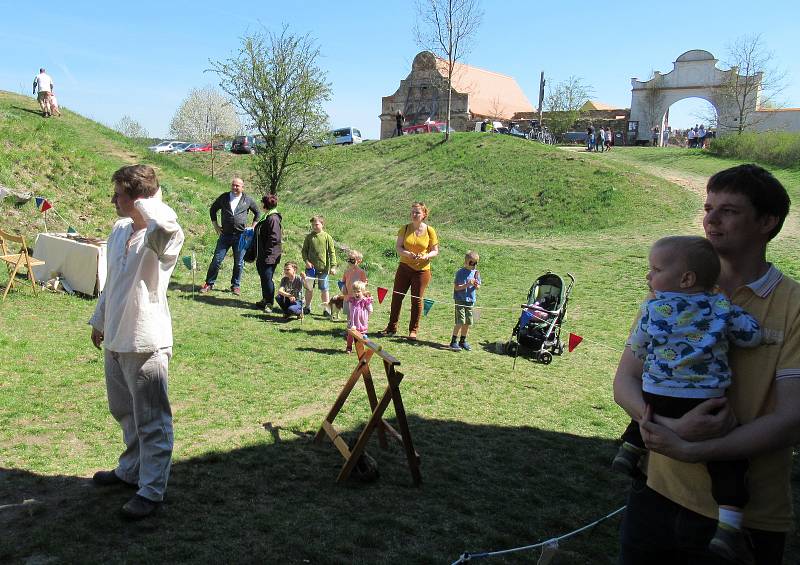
(416, 245)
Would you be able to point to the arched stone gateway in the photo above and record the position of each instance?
(694, 75)
(736, 98)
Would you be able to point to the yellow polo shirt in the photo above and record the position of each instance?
(774, 300)
(417, 244)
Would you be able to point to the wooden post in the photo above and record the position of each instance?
(541, 96)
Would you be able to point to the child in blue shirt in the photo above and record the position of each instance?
(683, 337)
(466, 282)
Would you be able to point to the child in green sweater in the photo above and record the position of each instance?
(319, 256)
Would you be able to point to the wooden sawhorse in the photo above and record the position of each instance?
(366, 349)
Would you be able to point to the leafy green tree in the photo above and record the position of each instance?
(563, 104)
(275, 81)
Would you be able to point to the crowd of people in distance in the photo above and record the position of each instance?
(600, 139)
(697, 137)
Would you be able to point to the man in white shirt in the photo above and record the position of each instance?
(233, 208)
(133, 322)
(44, 84)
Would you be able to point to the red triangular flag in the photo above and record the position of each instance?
(46, 206)
(382, 294)
(574, 340)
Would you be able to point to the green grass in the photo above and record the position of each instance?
(781, 149)
(700, 163)
(509, 457)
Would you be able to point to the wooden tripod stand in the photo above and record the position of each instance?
(366, 349)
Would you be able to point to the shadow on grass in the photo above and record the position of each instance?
(330, 332)
(323, 350)
(484, 488)
(37, 112)
(216, 298)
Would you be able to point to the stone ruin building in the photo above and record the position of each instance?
(477, 94)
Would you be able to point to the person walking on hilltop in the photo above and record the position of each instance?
(132, 323)
(400, 119)
(44, 84)
(233, 206)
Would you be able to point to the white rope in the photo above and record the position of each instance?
(553, 541)
(478, 309)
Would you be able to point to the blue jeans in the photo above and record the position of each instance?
(657, 531)
(288, 307)
(225, 242)
(266, 271)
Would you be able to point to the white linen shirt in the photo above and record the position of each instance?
(132, 311)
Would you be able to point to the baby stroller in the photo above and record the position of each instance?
(537, 333)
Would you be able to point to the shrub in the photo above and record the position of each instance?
(781, 149)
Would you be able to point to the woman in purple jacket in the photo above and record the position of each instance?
(267, 238)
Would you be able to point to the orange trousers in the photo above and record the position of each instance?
(417, 281)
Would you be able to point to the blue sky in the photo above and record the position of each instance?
(141, 58)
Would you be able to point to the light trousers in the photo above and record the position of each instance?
(136, 384)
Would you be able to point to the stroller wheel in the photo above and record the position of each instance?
(559, 348)
(512, 347)
(545, 358)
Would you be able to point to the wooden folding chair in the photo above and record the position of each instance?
(15, 261)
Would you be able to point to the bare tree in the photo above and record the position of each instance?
(563, 103)
(129, 127)
(753, 83)
(276, 82)
(205, 112)
(496, 109)
(447, 29)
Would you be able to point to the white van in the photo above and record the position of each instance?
(346, 136)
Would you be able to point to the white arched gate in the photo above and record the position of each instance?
(694, 75)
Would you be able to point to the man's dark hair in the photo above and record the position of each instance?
(765, 192)
(41, 70)
(137, 181)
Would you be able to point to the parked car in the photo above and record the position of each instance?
(341, 136)
(198, 147)
(164, 146)
(181, 147)
(574, 137)
(245, 144)
(516, 132)
(427, 127)
(346, 136)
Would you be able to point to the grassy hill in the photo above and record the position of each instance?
(481, 183)
(510, 454)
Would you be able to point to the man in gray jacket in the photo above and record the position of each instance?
(233, 207)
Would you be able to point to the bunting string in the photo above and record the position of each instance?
(428, 303)
(544, 544)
